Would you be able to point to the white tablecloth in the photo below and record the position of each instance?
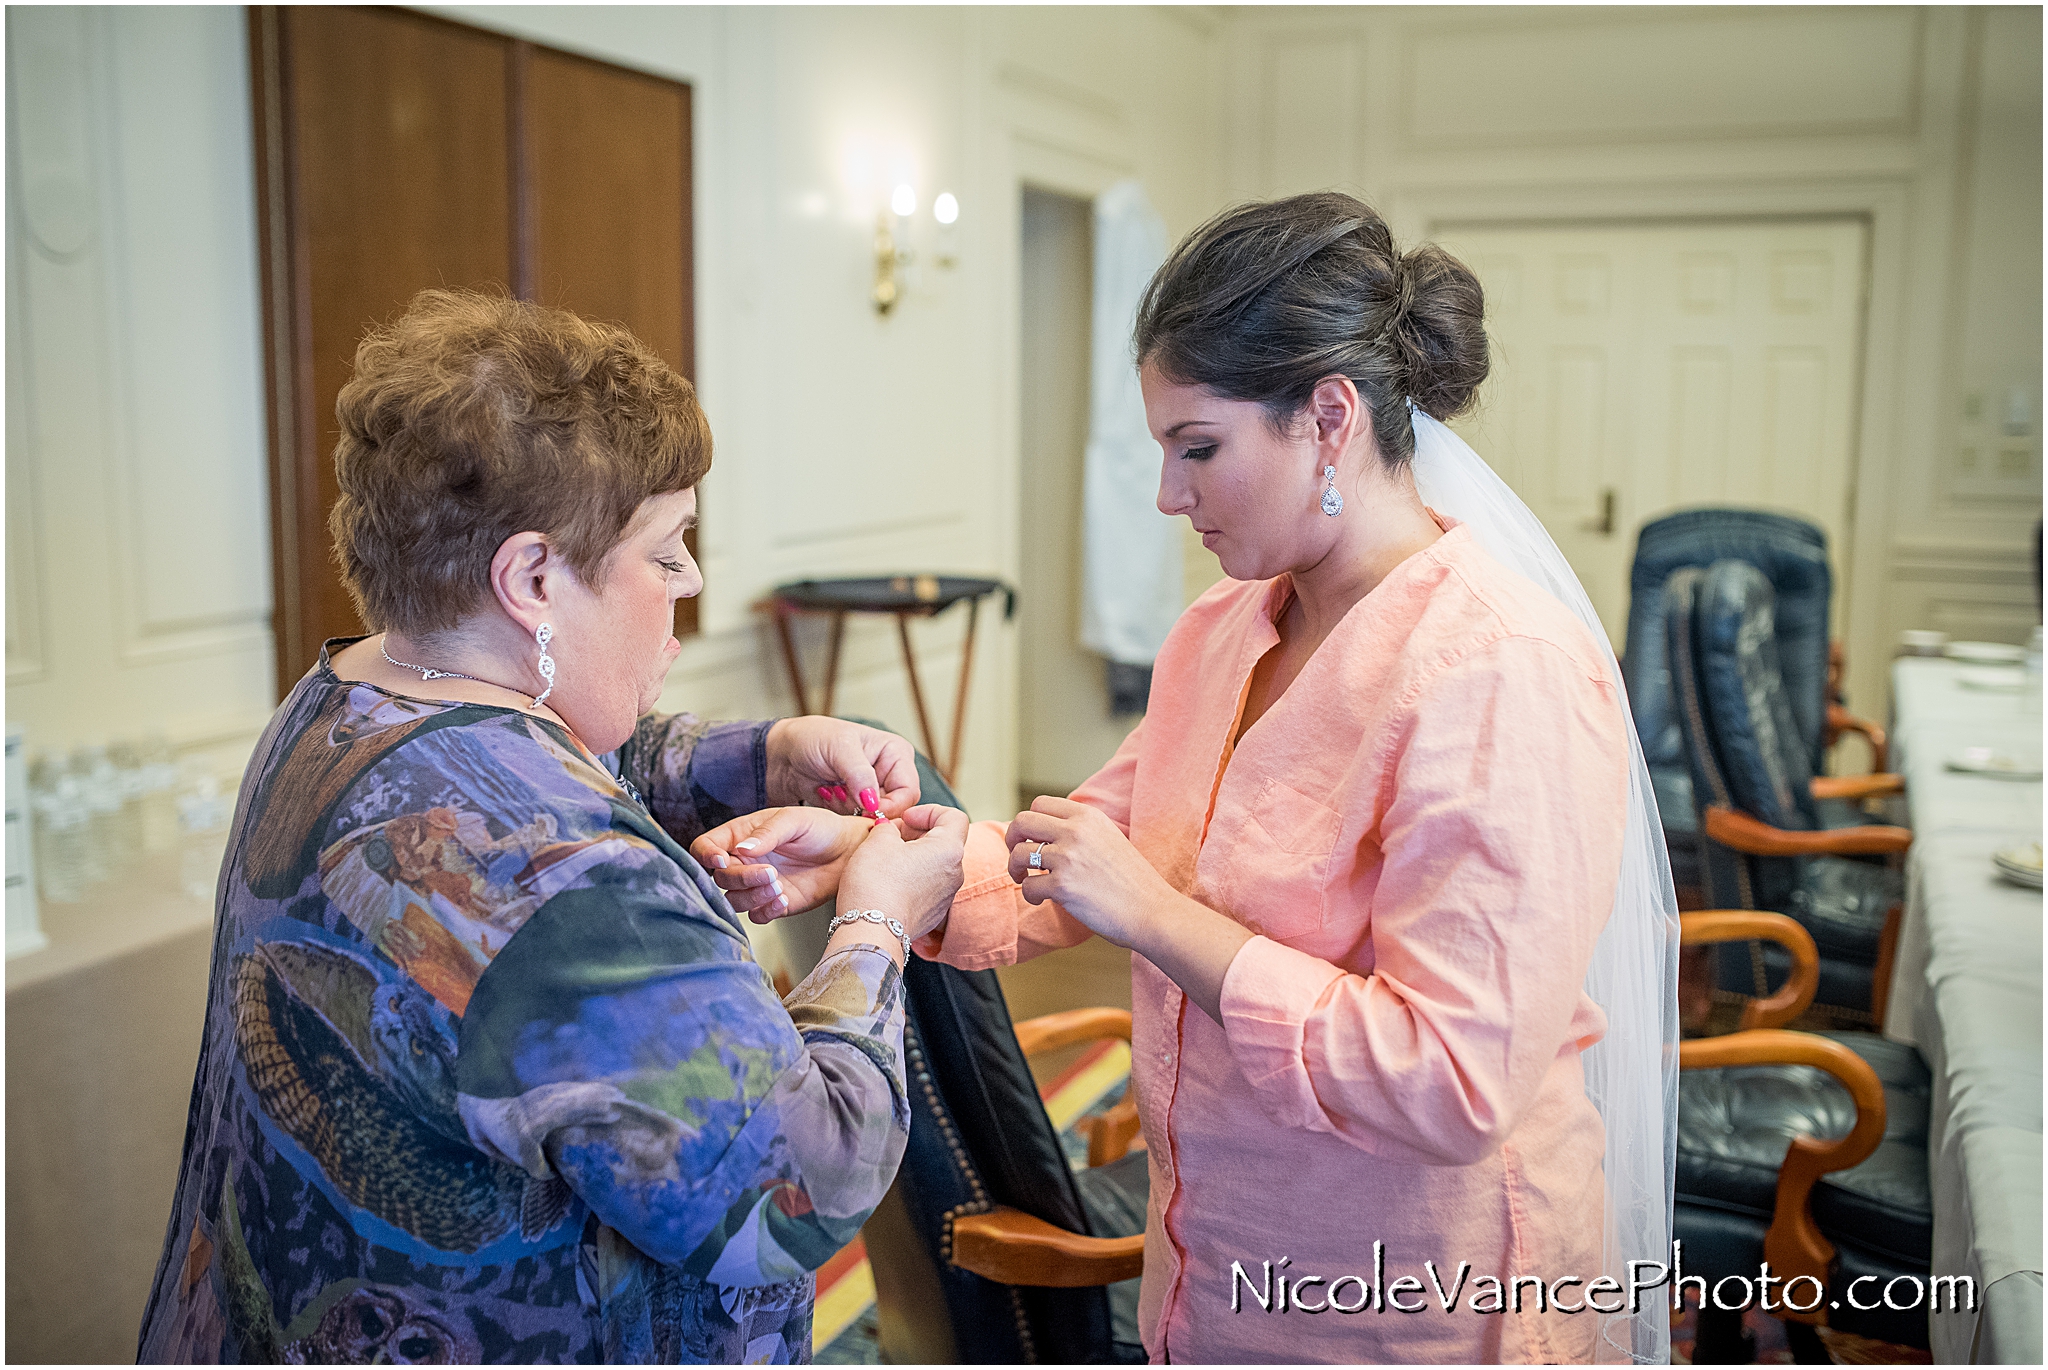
(1966, 990)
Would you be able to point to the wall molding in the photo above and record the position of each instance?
(1030, 81)
(1963, 563)
(1412, 131)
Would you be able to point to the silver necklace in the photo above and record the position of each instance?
(428, 672)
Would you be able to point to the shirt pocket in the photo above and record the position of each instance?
(1275, 876)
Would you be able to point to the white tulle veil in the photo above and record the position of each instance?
(1632, 1073)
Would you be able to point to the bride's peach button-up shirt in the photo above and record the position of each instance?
(1425, 832)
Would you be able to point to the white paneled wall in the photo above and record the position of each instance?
(138, 555)
(1923, 123)
(138, 532)
(137, 550)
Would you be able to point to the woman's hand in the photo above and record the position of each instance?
(845, 766)
(909, 869)
(780, 861)
(1088, 867)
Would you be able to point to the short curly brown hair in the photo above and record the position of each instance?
(474, 417)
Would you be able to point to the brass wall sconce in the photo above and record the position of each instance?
(892, 259)
(888, 258)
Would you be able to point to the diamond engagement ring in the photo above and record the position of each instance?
(1037, 861)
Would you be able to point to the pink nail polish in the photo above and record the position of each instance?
(870, 802)
(843, 796)
(825, 793)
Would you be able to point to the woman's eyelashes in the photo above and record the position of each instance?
(674, 568)
(1199, 453)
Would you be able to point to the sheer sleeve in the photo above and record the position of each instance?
(1501, 845)
(696, 775)
(991, 924)
(625, 1042)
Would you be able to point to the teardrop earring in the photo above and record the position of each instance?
(543, 635)
(1333, 503)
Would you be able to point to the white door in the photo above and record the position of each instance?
(1642, 369)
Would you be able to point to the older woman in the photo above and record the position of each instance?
(489, 1072)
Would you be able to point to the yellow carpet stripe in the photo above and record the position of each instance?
(1080, 1093)
(838, 1306)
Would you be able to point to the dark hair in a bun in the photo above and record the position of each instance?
(1265, 300)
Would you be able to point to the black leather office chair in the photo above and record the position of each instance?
(1766, 841)
(1809, 1150)
(1792, 554)
(990, 1248)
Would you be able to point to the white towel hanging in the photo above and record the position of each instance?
(1131, 581)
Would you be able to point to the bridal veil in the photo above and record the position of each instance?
(1632, 1073)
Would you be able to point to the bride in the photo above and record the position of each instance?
(1405, 943)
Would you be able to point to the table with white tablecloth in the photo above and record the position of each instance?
(1966, 990)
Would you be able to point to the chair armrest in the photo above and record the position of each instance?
(1840, 720)
(1051, 1031)
(1746, 834)
(1794, 1246)
(1110, 1132)
(1010, 1246)
(1857, 786)
(1745, 925)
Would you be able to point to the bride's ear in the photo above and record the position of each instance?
(1337, 415)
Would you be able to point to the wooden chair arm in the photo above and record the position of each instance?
(1857, 786)
(1111, 1132)
(1793, 1245)
(1010, 1246)
(1840, 720)
(1746, 834)
(1745, 925)
(1052, 1031)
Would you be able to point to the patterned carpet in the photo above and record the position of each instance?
(1772, 1348)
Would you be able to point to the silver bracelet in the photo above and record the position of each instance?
(875, 916)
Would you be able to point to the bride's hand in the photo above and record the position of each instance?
(780, 861)
(1087, 866)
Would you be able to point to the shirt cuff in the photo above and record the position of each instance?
(729, 770)
(1269, 991)
(980, 932)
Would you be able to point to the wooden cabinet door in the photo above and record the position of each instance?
(608, 162)
(396, 152)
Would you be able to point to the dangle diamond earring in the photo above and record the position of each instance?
(1333, 503)
(543, 635)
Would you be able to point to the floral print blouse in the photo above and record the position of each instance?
(489, 1072)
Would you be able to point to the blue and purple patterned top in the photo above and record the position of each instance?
(489, 1072)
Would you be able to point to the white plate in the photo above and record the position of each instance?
(1991, 761)
(2021, 865)
(1996, 679)
(1986, 653)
